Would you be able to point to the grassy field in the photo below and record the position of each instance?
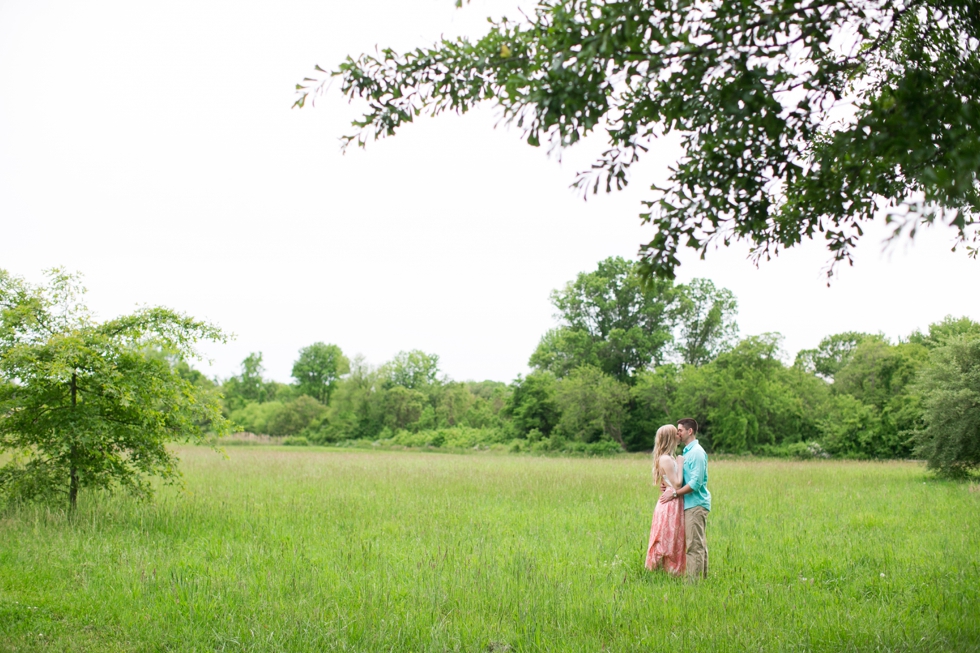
(316, 550)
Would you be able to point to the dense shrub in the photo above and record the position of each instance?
(950, 385)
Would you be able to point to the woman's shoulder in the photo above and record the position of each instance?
(666, 458)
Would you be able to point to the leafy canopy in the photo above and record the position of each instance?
(950, 385)
(93, 404)
(318, 369)
(798, 118)
(620, 323)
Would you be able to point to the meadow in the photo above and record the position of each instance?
(306, 549)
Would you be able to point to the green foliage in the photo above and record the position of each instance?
(87, 404)
(403, 407)
(797, 450)
(533, 405)
(592, 405)
(248, 386)
(745, 398)
(459, 437)
(412, 369)
(706, 321)
(295, 416)
(754, 90)
(876, 371)
(255, 417)
(610, 319)
(831, 354)
(602, 382)
(880, 376)
(850, 428)
(950, 386)
(651, 402)
(941, 332)
(318, 369)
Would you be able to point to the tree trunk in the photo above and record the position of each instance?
(73, 487)
(73, 453)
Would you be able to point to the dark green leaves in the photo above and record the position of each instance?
(799, 119)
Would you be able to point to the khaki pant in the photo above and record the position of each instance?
(695, 520)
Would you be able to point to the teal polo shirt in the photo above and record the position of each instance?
(696, 475)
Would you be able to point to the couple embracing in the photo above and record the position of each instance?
(677, 535)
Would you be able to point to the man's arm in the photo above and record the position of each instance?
(695, 481)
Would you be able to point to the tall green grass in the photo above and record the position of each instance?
(313, 550)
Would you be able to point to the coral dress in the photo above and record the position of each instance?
(666, 549)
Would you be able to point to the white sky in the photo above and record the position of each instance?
(151, 146)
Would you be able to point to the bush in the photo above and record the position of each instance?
(851, 429)
(460, 437)
(295, 416)
(950, 388)
(255, 417)
(798, 450)
(295, 441)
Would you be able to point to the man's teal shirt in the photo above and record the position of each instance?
(696, 475)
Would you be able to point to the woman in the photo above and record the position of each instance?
(666, 548)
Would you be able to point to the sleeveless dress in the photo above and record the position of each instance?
(666, 549)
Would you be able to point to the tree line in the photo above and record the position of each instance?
(90, 404)
(628, 355)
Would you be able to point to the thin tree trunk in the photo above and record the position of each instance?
(73, 454)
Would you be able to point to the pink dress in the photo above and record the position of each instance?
(666, 549)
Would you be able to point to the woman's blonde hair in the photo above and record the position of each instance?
(665, 443)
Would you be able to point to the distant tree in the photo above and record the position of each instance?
(256, 417)
(402, 407)
(88, 404)
(412, 369)
(832, 353)
(941, 332)
(609, 319)
(593, 406)
(252, 386)
(706, 321)
(247, 386)
(357, 406)
(950, 387)
(746, 398)
(453, 404)
(797, 119)
(533, 406)
(876, 370)
(318, 369)
(651, 404)
(295, 416)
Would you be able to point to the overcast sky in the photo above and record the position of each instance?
(151, 146)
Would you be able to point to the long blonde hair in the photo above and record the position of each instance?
(665, 443)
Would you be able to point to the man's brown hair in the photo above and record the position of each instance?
(688, 423)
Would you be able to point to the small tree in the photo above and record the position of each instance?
(318, 369)
(609, 319)
(412, 369)
(706, 321)
(90, 404)
(950, 388)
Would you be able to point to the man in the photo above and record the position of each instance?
(697, 499)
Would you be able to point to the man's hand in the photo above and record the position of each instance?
(667, 496)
